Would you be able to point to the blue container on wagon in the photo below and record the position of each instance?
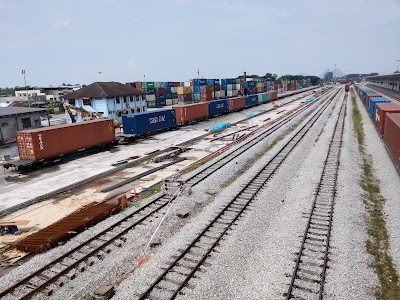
(372, 104)
(218, 107)
(149, 121)
(251, 100)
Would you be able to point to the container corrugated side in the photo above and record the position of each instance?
(372, 102)
(251, 100)
(391, 135)
(381, 110)
(148, 122)
(42, 143)
(218, 107)
(191, 112)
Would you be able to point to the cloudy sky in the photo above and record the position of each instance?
(72, 41)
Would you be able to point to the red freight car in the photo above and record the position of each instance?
(369, 96)
(189, 113)
(392, 133)
(236, 103)
(50, 142)
(347, 87)
(273, 95)
(381, 110)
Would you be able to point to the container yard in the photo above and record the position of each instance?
(187, 173)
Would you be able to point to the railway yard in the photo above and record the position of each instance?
(278, 205)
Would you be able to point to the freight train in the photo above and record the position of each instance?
(180, 115)
(41, 146)
(386, 118)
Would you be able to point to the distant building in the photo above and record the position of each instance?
(111, 99)
(55, 93)
(34, 95)
(13, 119)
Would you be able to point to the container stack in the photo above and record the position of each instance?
(160, 97)
(229, 86)
(184, 95)
(260, 87)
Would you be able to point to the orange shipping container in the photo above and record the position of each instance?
(48, 142)
(236, 103)
(368, 96)
(273, 95)
(392, 133)
(191, 112)
(381, 109)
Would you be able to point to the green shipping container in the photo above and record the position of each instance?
(185, 102)
(196, 97)
(148, 85)
(151, 104)
(168, 96)
(238, 81)
(263, 97)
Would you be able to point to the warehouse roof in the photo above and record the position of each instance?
(9, 111)
(104, 89)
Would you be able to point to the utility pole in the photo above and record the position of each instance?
(335, 71)
(100, 75)
(26, 88)
(398, 65)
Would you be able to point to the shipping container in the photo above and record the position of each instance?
(184, 102)
(150, 91)
(392, 134)
(148, 85)
(263, 98)
(190, 113)
(372, 103)
(184, 90)
(227, 81)
(381, 109)
(151, 97)
(206, 89)
(185, 97)
(177, 84)
(260, 90)
(251, 100)
(347, 87)
(149, 121)
(218, 107)
(207, 97)
(236, 103)
(370, 95)
(49, 142)
(273, 95)
(160, 90)
(198, 81)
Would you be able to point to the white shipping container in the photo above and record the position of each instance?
(222, 93)
(174, 89)
(157, 84)
(151, 97)
(186, 83)
(168, 102)
(229, 87)
(238, 86)
(175, 101)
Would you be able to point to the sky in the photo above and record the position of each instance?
(71, 41)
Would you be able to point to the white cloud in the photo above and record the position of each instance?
(63, 23)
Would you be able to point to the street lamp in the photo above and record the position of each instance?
(26, 88)
(398, 65)
(100, 75)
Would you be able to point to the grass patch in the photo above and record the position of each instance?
(261, 153)
(378, 241)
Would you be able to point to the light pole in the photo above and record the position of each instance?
(26, 88)
(100, 75)
(335, 71)
(398, 65)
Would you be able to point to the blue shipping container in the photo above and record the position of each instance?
(372, 104)
(218, 107)
(149, 121)
(161, 102)
(170, 84)
(199, 81)
(251, 100)
(224, 87)
(228, 81)
(163, 84)
(168, 90)
(196, 89)
(161, 97)
(150, 91)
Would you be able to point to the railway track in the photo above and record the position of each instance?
(308, 278)
(178, 273)
(77, 259)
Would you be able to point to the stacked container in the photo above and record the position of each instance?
(229, 86)
(372, 103)
(184, 95)
(160, 97)
(260, 87)
(381, 110)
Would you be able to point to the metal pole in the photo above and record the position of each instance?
(398, 65)
(26, 88)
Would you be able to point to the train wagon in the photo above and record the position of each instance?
(236, 103)
(381, 109)
(251, 100)
(190, 113)
(372, 103)
(263, 98)
(273, 95)
(218, 107)
(49, 142)
(391, 135)
(347, 87)
(149, 122)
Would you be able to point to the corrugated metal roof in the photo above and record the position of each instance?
(8, 111)
(104, 90)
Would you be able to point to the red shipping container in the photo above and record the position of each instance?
(347, 87)
(273, 95)
(185, 97)
(207, 97)
(176, 84)
(370, 95)
(217, 88)
(381, 109)
(392, 134)
(191, 112)
(160, 90)
(236, 103)
(204, 89)
(48, 142)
